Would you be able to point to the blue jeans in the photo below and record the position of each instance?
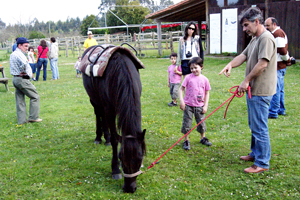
(42, 61)
(33, 67)
(277, 103)
(54, 68)
(258, 108)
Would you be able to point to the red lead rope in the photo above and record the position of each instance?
(235, 93)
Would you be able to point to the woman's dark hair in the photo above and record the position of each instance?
(43, 44)
(196, 60)
(31, 47)
(186, 30)
(53, 39)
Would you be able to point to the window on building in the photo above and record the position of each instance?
(235, 2)
(217, 3)
(279, 0)
(254, 2)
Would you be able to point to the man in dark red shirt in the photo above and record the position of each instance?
(277, 103)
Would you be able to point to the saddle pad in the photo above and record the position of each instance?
(100, 66)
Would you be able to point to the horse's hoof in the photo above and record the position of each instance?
(107, 143)
(117, 176)
(97, 142)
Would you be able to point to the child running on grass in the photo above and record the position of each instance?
(174, 79)
(76, 66)
(195, 101)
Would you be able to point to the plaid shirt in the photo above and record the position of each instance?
(19, 63)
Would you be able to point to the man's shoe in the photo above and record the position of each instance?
(247, 158)
(186, 145)
(255, 169)
(37, 120)
(205, 141)
(282, 114)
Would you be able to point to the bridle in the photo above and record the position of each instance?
(133, 174)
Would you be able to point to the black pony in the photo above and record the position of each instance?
(116, 94)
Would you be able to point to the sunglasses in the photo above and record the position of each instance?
(191, 28)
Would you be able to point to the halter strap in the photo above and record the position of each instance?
(132, 175)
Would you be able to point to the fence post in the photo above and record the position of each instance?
(67, 53)
(171, 42)
(159, 38)
(139, 45)
(134, 39)
(79, 46)
(153, 39)
(72, 43)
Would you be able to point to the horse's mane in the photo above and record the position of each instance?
(127, 91)
(128, 88)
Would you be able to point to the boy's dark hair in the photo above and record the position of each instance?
(53, 39)
(79, 57)
(31, 47)
(196, 60)
(173, 55)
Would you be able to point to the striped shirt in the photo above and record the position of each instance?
(19, 63)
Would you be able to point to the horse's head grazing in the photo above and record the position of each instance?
(131, 155)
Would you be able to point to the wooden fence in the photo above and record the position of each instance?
(141, 41)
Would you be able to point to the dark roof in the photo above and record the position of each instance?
(187, 10)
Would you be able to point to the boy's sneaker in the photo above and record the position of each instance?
(172, 104)
(205, 141)
(186, 145)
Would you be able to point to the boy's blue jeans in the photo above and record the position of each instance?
(258, 108)
(54, 68)
(277, 103)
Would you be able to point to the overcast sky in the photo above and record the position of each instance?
(22, 11)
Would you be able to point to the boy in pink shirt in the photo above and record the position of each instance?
(174, 79)
(195, 101)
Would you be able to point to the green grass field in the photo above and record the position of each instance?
(57, 159)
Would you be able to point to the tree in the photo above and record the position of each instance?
(87, 22)
(131, 12)
(2, 24)
(36, 34)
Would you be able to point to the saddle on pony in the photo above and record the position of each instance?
(96, 58)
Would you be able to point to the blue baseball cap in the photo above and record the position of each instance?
(22, 40)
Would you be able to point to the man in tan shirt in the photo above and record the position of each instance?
(260, 75)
